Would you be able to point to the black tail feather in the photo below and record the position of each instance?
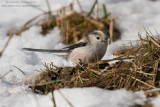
(46, 50)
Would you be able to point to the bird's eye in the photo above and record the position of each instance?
(98, 38)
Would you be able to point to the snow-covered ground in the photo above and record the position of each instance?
(131, 16)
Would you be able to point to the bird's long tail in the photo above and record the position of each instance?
(46, 50)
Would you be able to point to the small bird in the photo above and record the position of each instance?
(89, 49)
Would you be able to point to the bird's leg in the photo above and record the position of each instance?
(80, 62)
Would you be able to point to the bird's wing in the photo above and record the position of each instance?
(75, 45)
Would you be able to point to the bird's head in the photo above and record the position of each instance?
(97, 38)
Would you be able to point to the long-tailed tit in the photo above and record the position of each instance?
(89, 49)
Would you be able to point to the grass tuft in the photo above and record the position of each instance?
(73, 25)
(141, 71)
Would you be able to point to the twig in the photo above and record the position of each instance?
(20, 70)
(101, 25)
(67, 29)
(152, 90)
(5, 74)
(53, 99)
(96, 72)
(155, 70)
(49, 7)
(111, 29)
(2, 51)
(117, 58)
(142, 82)
(96, 11)
(65, 98)
(109, 83)
(31, 20)
(104, 10)
(80, 7)
(80, 78)
(89, 14)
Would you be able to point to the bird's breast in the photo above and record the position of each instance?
(88, 54)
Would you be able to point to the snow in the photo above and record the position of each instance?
(131, 16)
(85, 97)
(156, 101)
(95, 97)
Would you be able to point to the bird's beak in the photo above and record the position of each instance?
(104, 40)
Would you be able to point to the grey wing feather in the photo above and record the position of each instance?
(76, 45)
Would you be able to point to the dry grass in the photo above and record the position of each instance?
(139, 72)
(73, 25)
